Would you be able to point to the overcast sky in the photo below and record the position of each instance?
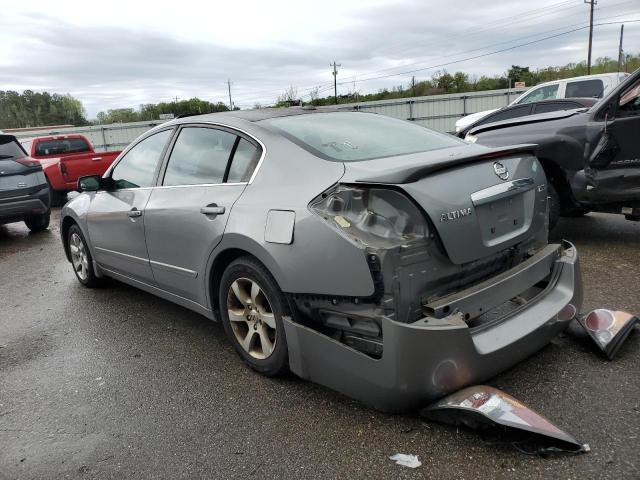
(125, 53)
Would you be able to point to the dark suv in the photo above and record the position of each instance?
(24, 192)
(591, 157)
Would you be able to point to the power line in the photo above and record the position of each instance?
(492, 53)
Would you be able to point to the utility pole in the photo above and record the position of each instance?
(592, 3)
(413, 86)
(335, 80)
(230, 102)
(620, 51)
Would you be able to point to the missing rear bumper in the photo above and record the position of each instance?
(427, 359)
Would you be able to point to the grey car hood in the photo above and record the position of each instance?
(540, 117)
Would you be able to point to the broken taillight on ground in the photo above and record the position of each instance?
(608, 328)
(486, 407)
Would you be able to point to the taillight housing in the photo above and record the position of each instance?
(372, 216)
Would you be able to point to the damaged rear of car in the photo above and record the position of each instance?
(371, 255)
(464, 282)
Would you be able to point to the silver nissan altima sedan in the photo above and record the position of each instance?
(384, 260)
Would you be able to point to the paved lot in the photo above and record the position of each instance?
(115, 383)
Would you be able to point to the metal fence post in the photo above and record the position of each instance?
(104, 139)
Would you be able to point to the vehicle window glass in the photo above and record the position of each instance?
(585, 88)
(244, 162)
(200, 155)
(507, 114)
(10, 148)
(353, 137)
(556, 107)
(630, 101)
(137, 167)
(62, 145)
(542, 93)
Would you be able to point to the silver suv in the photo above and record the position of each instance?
(384, 260)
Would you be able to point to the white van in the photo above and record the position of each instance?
(586, 86)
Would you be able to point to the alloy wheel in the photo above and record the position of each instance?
(79, 257)
(251, 318)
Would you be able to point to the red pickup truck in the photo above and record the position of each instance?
(64, 159)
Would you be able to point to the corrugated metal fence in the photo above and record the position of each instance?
(115, 136)
(438, 112)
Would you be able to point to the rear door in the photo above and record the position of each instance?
(116, 217)
(206, 171)
(81, 164)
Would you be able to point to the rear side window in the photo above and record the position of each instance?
(200, 156)
(10, 148)
(62, 145)
(542, 93)
(137, 168)
(508, 114)
(244, 162)
(353, 137)
(556, 107)
(585, 88)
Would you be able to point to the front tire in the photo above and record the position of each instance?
(38, 223)
(251, 307)
(81, 258)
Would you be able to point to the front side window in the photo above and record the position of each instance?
(199, 156)
(542, 93)
(353, 137)
(630, 101)
(137, 168)
(244, 162)
(585, 88)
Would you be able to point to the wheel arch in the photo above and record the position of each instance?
(65, 225)
(557, 177)
(229, 250)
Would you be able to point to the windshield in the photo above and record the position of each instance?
(10, 148)
(353, 137)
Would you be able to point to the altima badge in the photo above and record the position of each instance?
(501, 171)
(455, 215)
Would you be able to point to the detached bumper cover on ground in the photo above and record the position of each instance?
(429, 358)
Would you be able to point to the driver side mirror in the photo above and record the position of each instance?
(90, 183)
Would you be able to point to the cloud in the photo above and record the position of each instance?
(123, 64)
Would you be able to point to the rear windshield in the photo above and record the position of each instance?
(62, 145)
(10, 148)
(353, 137)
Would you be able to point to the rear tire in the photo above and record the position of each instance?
(56, 197)
(554, 206)
(38, 223)
(251, 308)
(81, 258)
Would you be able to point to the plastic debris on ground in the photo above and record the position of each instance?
(405, 460)
(608, 329)
(486, 407)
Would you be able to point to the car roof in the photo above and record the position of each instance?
(257, 114)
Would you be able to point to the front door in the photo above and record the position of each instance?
(116, 217)
(206, 172)
(616, 171)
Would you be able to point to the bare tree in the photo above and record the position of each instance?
(289, 96)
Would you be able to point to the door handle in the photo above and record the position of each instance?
(95, 159)
(212, 209)
(134, 212)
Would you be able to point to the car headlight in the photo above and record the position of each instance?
(470, 138)
(372, 216)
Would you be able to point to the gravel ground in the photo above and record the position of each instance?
(116, 383)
